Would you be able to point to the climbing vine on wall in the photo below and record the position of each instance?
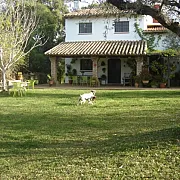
(152, 43)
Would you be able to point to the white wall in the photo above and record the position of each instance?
(124, 68)
(102, 26)
(102, 29)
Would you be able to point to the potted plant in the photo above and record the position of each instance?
(50, 80)
(161, 69)
(163, 83)
(154, 84)
(145, 76)
(137, 80)
(103, 70)
(69, 73)
(74, 72)
(103, 63)
(94, 81)
(103, 79)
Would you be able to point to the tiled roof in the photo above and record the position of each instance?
(154, 28)
(97, 12)
(98, 48)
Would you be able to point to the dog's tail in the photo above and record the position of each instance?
(79, 100)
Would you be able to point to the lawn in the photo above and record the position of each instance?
(126, 134)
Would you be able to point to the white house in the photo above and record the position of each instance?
(102, 41)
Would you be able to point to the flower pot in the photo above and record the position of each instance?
(51, 82)
(136, 85)
(145, 81)
(162, 85)
(70, 81)
(154, 86)
(103, 81)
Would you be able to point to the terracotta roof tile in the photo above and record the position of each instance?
(153, 28)
(97, 12)
(98, 48)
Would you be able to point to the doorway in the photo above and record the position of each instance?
(114, 71)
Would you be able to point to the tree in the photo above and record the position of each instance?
(18, 21)
(167, 13)
(51, 23)
(172, 41)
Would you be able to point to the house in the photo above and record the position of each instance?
(102, 41)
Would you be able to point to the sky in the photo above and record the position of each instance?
(82, 3)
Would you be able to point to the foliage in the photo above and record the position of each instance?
(132, 64)
(150, 38)
(103, 70)
(61, 70)
(103, 63)
(177, 75)
(137, 79)
(145, 75)
(18, 21)
(167, 12)
(74, 72)
(90, 6)
(51, 24)
(126, 134)
(170, 52)
(154, 83)
(103, 77)
(49, 77)
(171, 41)
(69, 70)
(161, 69)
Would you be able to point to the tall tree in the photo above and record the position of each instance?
(18, 21)
(51, 23)
(166, 13)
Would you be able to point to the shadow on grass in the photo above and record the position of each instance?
(111, 145)
(109, 94)
(140, 94)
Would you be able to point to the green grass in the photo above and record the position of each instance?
(126, 134)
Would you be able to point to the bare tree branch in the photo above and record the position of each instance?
(18, 23)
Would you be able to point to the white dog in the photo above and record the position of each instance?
(90, 97)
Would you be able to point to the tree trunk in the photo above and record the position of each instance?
(4, 81)
(142, 8)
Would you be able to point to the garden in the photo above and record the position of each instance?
(125, 134)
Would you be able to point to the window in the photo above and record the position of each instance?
(86, 65)
(85, 28)
(122, 26)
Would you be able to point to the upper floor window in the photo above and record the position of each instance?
(86, 65)
(85, 28)
(122, 26)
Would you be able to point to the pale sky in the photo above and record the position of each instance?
(82, 3)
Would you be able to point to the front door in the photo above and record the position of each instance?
(114, 71)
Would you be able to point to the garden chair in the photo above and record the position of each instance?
(94, 81)
(127, 79)
(18, 88)
(74, 80)
(31, 83)
(84, 80)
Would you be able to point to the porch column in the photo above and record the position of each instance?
(95, 61)
(139, 64)
(95, 69)
(54, 69)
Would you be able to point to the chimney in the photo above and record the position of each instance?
(156, 6)
(76, 4)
